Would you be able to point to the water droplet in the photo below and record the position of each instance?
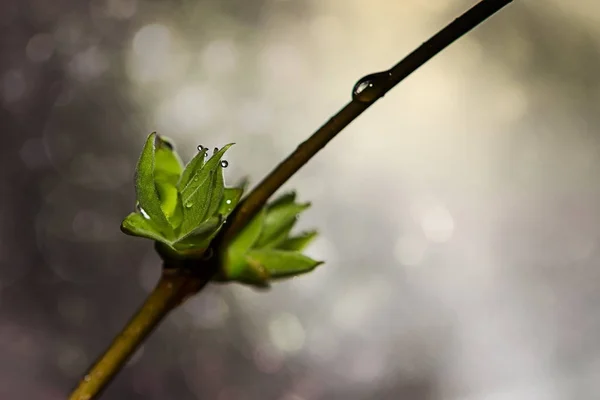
(195, 178)
(370, 87)
(200, 147)
(215, 150)
(87, 378)
(224, 163)
(228, 202)
(189, 204)
(142, 211)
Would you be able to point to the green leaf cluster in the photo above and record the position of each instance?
(181, 208)
(265, 250)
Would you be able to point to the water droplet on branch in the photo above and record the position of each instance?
(371, 87)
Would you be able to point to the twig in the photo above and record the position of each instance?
(176, 284)
(172, 289)
(381, 83)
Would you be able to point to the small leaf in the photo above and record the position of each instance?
(194, 166)
(231, 198)
(239, 246)
(146, 192)
(299, 242)
(282, 264)
(216, 196)
(206, 229)
(167, 170)
(254, 273)
(167, 161)
(136, 225)
(280, 220)
(198, 195)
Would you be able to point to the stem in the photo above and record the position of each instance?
(306, 150)
(172, 289)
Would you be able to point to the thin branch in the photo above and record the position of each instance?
(172, 289)
(374, 87)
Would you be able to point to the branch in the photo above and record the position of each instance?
(174, 286)
(366, 92)
(178, 283)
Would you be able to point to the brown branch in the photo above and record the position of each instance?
(376, 86)
(172, 289)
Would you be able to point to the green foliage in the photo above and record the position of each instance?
(264, 249)
(183, 209)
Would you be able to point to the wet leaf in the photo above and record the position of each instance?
(146, 192)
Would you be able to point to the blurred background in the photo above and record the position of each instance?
(460, 215)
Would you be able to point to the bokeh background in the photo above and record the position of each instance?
(460, 215)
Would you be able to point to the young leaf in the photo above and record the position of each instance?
(231, 198)
(299, 242)
(216, 195)
(282, 264)
(239, 246)
(280, 220)
(200, 233)
(145, 188)
(192, 167)
(254, 273)
(167, 162)
(136, 225)
(197, 196)
(167, 169)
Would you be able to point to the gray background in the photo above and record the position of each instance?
(460, 216)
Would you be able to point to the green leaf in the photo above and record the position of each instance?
(136, 225)
(201, 236)
(281, 218)
(191, 168)
(167, 170)
(216, 196)
(299, 242)
(147, 195)
(231, 198)
(254, 273)
(241, 244)
(167, 164)
(282, 264)
(204, 188)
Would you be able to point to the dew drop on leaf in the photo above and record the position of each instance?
(142, 211)
(228, 202)
(215, 150)
(224, 163)
(200, 147)
(370, 87)
(189, 204)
